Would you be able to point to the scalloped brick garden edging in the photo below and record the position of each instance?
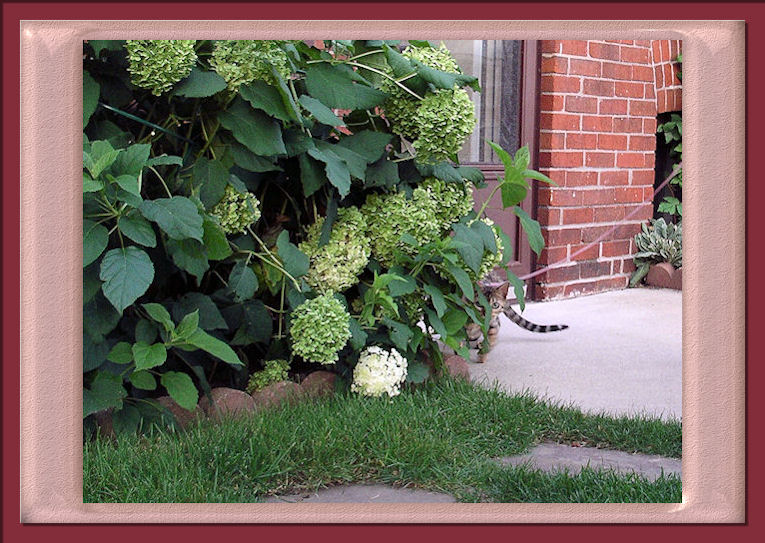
(233, 402)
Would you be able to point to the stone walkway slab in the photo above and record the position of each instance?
(364, 494)
(556, 457)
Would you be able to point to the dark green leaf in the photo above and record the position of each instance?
(109, 45)
(463, 281)
(245, 159)
(404, 284)
(105, 391)
(200, 84)
(322, 113)
(444, 80)
(312, 174)
(254, 129)
(91, 284)
(160, 314)
(297, 142)
(267, 98)
(214, 346)
(149, 356)
(165, 160)
(93, 354)
(367, 143)
(454, 320)
(329, 220)
(138, 229)
(90, 93)
(121, 353)
(512, 194)
(211, 177)
(295, 262)
(131, 160)
(469, 246)
(382, 173)
(517, 288)
(99, 317)
(126, 274)
(507, 247)
(215, 240)
(289, 101)
(126, 420)
(357, 164)
(209, 315)
(358, 335)
(91, 185)
(143, 380)
(177, 216)
(95, 238)
(533, 174)
(242, 281)
(336, 170)
(486, 234)
(474, 175)
(337, 88)
(190, 256)
(437, 298)
(532, 229)
(417, 372)
(521, 160)
(256, 321)
(400, 334)
(101, 156)
(436, 323)
(181, 389)
(145, 331)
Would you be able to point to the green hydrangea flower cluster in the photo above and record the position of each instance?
(320, 328)
(159, 64)
(236, 211)
(275, 371)
(452, 200)
(336, 266)
(442, 121)
(388, 216)
(242, 61)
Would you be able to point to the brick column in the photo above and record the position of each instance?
(669, 91)
(597, 141)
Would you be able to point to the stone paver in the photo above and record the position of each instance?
(364, 494)
(556, 457)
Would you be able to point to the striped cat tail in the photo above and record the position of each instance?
(530, 326)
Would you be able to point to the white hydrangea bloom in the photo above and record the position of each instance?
(379, 372)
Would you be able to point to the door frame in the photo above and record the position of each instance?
(528, 135)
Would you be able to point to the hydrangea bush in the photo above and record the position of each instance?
(256, 210)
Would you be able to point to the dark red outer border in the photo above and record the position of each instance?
(13, 13)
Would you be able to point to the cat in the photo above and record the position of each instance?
(497, 297)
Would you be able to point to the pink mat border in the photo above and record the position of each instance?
(713, 355)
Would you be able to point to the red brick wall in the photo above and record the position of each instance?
(668, 88)
(598, 110)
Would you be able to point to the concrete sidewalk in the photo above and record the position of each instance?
(621, 353)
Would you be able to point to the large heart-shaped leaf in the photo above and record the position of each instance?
(178, 217)
(181, 389)
(322, 113)
(149, 356)
(126, 274)
(254, 129)
(242, 281)
(200, 84)
(336, 87)
(267, 98)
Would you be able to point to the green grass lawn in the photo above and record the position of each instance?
(440, 437)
